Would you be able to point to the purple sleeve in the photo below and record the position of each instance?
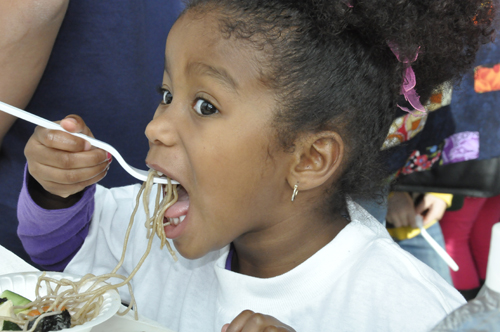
(53, 237)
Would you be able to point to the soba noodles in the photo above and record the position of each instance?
(83, 298)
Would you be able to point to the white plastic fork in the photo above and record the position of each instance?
(440, 251)
(39, 121)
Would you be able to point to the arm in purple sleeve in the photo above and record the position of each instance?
(53, 237)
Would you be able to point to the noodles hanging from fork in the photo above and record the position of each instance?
(84, 298)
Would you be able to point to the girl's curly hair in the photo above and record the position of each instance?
(329, 63)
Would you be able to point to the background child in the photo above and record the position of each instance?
(272, 116)
(402, 209)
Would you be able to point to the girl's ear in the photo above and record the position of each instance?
(317, 160)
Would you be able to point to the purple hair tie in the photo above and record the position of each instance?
(409, 82)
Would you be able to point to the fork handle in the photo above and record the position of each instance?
(35, 119)
(39, 121)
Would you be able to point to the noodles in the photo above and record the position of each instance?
(155, 223)
(83, 298)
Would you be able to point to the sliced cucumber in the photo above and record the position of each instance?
(17, 300)
(9, 326)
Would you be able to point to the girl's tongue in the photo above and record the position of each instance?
(181, 207)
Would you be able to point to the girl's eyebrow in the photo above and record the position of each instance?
(220, 74)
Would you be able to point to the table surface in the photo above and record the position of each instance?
(11, 263)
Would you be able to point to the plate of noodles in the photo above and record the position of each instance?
(88, 300)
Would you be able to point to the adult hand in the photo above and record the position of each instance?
(64, 164)
(249, 321)
(431, 208)
(400, 210)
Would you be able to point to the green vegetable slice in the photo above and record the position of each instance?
(17, 300)
(9, 326)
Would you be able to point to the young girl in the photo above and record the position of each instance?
(272, 116)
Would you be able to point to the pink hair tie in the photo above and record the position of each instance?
(409, 82)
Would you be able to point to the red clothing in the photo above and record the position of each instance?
(467, 234)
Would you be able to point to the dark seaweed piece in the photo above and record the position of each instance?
(52, 323)
(9, 326)
(3, 299)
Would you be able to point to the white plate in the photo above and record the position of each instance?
(24, 284)
(127, 323)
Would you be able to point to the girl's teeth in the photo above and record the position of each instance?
(159, 173)
(176, 221)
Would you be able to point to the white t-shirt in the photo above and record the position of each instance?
(360, 281)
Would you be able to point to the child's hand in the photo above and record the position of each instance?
(433, 206)
(400, 210)
(64, 164)
(249, 321)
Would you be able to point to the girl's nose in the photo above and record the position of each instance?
(161, 130)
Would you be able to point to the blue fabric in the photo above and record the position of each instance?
(468, 111)
(106, 63)
(422, 250)
(479, 111)
(377, 207)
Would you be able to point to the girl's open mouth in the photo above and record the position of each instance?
(176, 214)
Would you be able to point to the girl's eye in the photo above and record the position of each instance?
(203, 107)
(166, 96)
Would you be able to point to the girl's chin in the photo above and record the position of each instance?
(187, 250)
(194, 248)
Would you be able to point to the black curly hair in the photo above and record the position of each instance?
(331, 68)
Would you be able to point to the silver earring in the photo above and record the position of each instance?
(295, 191)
